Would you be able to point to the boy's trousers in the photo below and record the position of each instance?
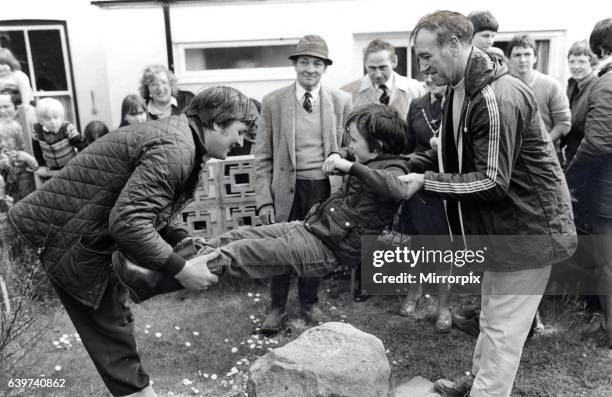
(107, 334)
(505, 321)
(272, 250)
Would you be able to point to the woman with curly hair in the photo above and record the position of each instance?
(158, 87)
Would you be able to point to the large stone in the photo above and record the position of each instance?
(334, 359)
(415, 387)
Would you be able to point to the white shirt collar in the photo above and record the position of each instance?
(300, 91)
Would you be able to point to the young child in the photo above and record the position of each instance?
(55, 141)
(17, 167)
(93, 130)
(133, 110)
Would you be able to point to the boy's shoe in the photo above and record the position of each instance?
(274, 321)
(143, 283)
(448, 388)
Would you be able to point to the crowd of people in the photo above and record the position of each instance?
(485, 145)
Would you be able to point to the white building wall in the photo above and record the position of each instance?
(110, 46)
(135, 38)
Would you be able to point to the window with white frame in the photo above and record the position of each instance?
(240, 60)
(42, 51)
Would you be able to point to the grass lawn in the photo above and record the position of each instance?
(203, 344)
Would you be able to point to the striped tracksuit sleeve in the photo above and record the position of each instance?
(492, 128)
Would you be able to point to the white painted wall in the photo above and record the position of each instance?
(111, 45)
(135, 38)
(85, 36)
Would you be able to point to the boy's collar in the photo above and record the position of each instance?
(49, 131)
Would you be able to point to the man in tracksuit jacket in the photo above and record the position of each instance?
(497, 171)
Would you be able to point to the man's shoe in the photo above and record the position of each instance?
(359, 296)
(274, 321)
(444, 322)
(408, 307)
(448, 388)
(470, 324)
(312, 314)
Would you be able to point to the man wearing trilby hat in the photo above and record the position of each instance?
(301, 124)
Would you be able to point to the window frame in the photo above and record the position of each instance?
(30, 25)
(187, 77)
(556, 39)
(396, 39)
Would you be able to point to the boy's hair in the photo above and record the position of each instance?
(483, 20)
(10, 129)
(148, 76)
(48, 106)
(521, 40)
(378, 45)
(222, 105)
(582, 48)
(131, 103)
(381, 126)
(601, 38)
(446, 24)
(13, 92)
(94, 130)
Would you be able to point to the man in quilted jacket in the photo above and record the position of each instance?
(123, 192)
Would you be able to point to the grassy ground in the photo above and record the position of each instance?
(186, 338)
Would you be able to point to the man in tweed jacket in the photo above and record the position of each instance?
(300, 126)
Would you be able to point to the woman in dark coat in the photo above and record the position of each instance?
(424, 215)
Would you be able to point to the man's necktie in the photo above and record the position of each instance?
(307, 103)
(384, 97)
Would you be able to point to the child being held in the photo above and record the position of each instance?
(331, 233)
(55, 141)
(16, 166)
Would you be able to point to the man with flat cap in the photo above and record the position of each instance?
(300, 125)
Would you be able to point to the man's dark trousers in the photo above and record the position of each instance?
(107, 334)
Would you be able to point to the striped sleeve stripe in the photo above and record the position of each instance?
(492, 155)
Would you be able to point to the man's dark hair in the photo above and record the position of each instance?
(521, 40)
(382, 127)
(222, 105)
(601, 38)
(378, 45)
(446, 24)
(483, 20)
